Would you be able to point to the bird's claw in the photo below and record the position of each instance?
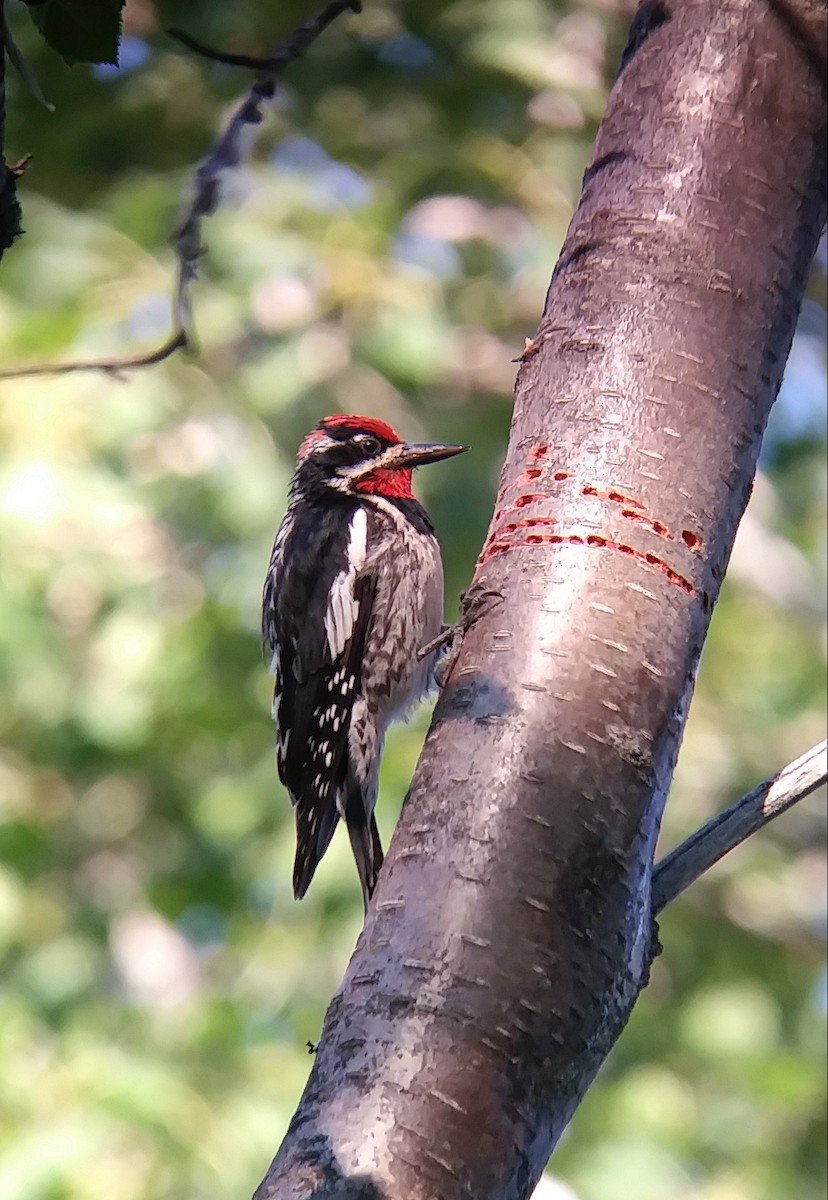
(477, 599)
(445, 635)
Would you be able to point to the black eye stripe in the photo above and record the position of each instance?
(365, 441)
(355, 449)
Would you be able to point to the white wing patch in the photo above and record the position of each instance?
(277, 683)
(342, 610)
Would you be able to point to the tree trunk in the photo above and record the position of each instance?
(511, 930)
(9, 206)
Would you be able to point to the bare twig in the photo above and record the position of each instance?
(178, 340)
(728, 829)
(295, 45)
(248, 61)
(229, 151)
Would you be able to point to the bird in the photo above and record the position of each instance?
(352, 596)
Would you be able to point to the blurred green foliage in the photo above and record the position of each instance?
(389, 249)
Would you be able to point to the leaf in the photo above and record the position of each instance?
(80, 30)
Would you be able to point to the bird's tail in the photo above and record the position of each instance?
(365, 842)
(314, 830)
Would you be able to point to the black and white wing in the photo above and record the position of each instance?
(318, 605)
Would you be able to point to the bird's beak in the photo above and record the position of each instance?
(418, 454)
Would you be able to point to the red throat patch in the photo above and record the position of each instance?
(394, 484)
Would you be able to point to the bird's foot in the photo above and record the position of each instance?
(477, 599)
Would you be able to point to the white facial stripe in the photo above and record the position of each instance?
(343, 609)
(387, 459)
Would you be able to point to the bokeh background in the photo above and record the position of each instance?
(387, 251)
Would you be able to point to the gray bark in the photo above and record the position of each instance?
(9, 206)
(511, 930)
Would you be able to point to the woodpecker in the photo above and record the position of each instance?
(353, 593)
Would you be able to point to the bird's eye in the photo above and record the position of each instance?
(368, 443)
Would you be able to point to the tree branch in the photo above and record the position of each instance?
(728, 829)
(230, 150)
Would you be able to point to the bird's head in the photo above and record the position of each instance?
(356, 455)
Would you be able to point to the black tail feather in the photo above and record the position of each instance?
(365, 843)
(311, 844)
